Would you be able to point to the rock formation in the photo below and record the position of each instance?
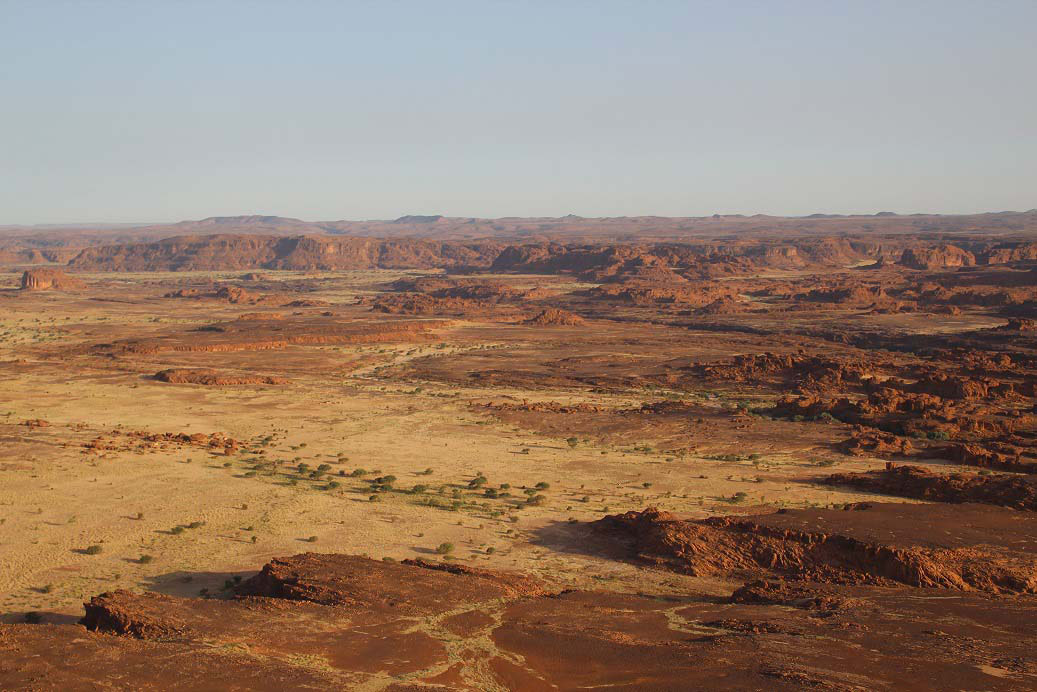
(45, 278)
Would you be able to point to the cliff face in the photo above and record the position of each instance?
(306, 253)
(599, 262)
(45, 278)
(668, 262)
(939, 257)
(311, 252)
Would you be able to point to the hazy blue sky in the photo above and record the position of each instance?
(153, 111)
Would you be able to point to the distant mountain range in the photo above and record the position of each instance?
(60, 244)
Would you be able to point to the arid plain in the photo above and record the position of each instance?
(802, 459)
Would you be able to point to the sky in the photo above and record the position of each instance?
(149, 111)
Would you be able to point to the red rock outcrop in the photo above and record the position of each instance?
(939, 257)
(1018, 492)
(870, 442)
(552, 317)
(1018, 324)
(45, 278)
(306, 253)
(209, 377)
(335, 621)
(412, 587)
(991, 455)
(807, 372)
(866, 544)
(725, 306)
(422, 304)
(949, 386)
(1004, 253)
